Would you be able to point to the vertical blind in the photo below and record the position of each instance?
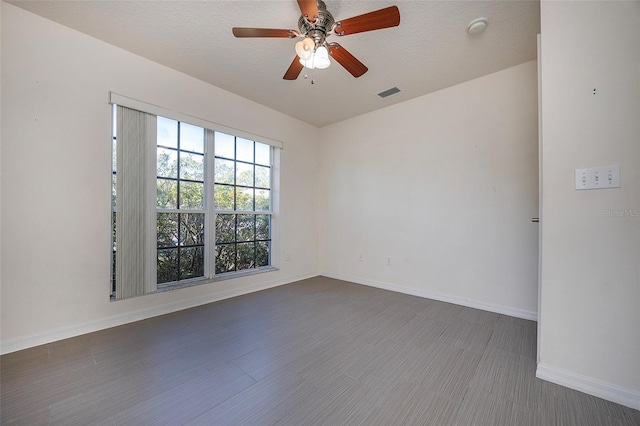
(135, 203)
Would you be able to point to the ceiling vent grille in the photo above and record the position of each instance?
(388, 92)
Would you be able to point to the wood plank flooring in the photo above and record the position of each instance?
(316, 352)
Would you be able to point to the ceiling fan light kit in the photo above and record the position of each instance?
(314, 26)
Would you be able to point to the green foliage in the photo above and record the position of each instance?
(167, 265)
(191, 195)
(191, 262)
(180, 254)
(263, 177)
(238, 244)
(225, 228)
(192, 168)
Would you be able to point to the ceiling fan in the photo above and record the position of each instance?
(314, 26)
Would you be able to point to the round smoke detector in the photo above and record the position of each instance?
(477, 26)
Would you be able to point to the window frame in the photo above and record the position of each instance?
(209, 210)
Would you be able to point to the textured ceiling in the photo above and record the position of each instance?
(429, 51)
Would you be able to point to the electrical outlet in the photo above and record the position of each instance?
(389, 260)
(360, 257)
(287, 256)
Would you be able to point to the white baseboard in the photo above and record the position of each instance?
(477, 304)
(627, 397)
(29, 341)
(24, 342)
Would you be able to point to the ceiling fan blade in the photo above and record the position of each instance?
(262, 32)
(347, 60)
(376, 20)
(309, 8)
(294, 69)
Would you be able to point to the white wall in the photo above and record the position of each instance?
(590, 303)
(0, 179)
(56, 179)
(446, 185)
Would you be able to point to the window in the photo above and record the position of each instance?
(204, 210)
(242, 202)
(180, 201)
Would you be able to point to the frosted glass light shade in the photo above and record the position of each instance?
(308, 63)
(304, 48)
(322, 58)
(319, 59)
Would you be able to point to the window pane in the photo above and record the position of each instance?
(263, 154)
(167, 194)
(262, 227)
(244, 174)
(225, 228)
(225, 145)
(244, 198)
(246, 256)
(167, 265)
(191, 138)
(262, 199)
(191, 262)
(191, 195)
(167, 132)
(224, 171)
(245, 227)
(191, 166)
(225, 258)
(191, 229)
(167, 163)
(167, 229)
(244, 150)
(262, 253)
(223, 197)
(263, 177)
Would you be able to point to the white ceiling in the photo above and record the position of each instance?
(429, 51)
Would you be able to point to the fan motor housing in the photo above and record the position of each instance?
(317, 30)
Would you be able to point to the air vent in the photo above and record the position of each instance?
(388, 92)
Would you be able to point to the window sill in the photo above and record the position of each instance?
(245, 273)
(223, 277)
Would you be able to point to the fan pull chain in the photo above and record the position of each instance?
(306, 76)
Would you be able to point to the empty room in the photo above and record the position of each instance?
(281, 212)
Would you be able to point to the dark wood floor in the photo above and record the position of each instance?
(319, 351)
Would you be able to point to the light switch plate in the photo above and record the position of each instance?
(598, 178)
